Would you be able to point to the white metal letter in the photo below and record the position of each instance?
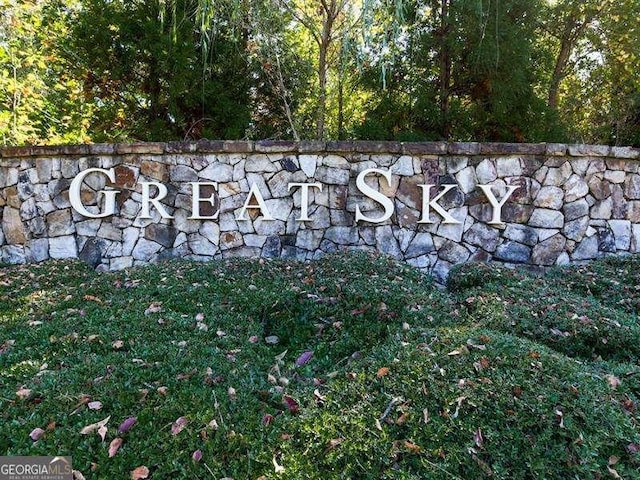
(196, 199)
(146, 200)
(254, 192)
(304, 198)
(427, 204)
(497, 206)
(374, 195)
(110, 195)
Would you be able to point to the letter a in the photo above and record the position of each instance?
(254, 192)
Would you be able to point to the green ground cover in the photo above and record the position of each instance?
(351, 367)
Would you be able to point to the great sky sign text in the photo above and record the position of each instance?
(255, 200)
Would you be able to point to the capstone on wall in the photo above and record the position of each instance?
(573, 202)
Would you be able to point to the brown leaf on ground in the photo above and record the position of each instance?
(334, 442)
(92, 298)
(139, 473)
(291, 404)
(23, 393)
(411, 446)
(36, 433)
(94, 426)
(114, 446)
(155, 307)
(613, 381)
(178, 425)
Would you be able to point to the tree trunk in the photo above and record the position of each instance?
(330, 11)
(445, 69)
(322, 96)
(573, 30)
(284, 94)
(341, 104)
(566, 46)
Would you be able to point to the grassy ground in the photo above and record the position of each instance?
(352, 367)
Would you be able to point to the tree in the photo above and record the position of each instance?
(595, 84)
(152, 73)
(469, 72)
(39, 101)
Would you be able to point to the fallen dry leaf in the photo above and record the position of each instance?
(633, 448)
(178, 425)
(278, 468)
(613, 381)
(334, 442)
(94, 426)
(102, 431)
(267, 418)
(382, 372)
(155, 307)
(23, 393)
(411, 446)
(560, 415)
(613, 473)
(402, 419)
(117, 344)
(114, 446)
(318, 396)
(139, 473)
(6, 346)
(478, 439)
(291, 404)
(127, 424)
(304, 358)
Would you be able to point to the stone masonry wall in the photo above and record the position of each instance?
(574, 202)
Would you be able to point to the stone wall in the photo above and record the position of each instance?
(573, 202)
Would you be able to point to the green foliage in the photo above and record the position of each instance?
(150, 75)
(580, 319)
(492, 70)
(406, 380)
(479, 58)
(38, 99)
